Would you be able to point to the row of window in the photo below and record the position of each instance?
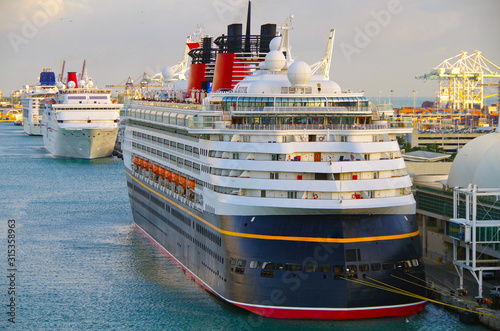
(180, 147)
(185, 219)
(339, 271)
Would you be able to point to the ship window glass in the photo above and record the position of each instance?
(254, 264)
(232, 261)
(375, 266)
(351, 268)
(363, 267)
(293, 267)
(160, 140)
(272, 266)
(166, 142)
(324, 268)
(415, 262)
(180, 146)
(338, 269)
(310, 268)
(241, 263)
(388, 266)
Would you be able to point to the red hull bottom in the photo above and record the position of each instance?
(304, 313)
(355, 313)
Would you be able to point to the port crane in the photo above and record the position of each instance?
(462, 80)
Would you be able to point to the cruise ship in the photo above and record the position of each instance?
(31, 98)
(274, 189)
(80, 121)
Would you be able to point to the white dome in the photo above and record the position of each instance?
(275, 44)
(267, 86)
(477, 163)
(81, 83)
(90, 84)
(60, 86)
(299, 73)
(71, 84)
(275, 61)
(168, 74)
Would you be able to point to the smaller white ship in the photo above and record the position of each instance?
(80, 121)
(31, 98)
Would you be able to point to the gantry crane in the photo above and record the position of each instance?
(462, 79)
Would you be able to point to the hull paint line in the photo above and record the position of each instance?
(283, 238)
(301, 312)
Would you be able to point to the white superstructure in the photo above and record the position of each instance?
(80, 123)
(283, 141)
(30, 101)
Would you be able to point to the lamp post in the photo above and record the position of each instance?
(414, 104)
(390, 96)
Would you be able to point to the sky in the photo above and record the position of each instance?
(380, 45)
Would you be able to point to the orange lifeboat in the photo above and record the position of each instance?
(175, 178)
(156, 169)
(136, 161)
(146, 165)
(139, 162)
(168, 174)
(162, 173)
(182, 181)
(191, 184)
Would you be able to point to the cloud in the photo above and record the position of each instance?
(16, 14)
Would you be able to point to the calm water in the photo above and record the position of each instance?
(82, 264)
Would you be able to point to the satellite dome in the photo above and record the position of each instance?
(168, 74)
(275, 44)
(299, 73)
(275, 61)
(477, 163)
(71, 84)
(82, 83)
(60, 86)
(90, 84)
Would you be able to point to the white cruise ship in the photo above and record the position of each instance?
(279, 193)
(31, 98)
(80, 121)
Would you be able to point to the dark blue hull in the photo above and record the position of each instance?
(291, 266)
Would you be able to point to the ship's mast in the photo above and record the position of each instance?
(286, 48)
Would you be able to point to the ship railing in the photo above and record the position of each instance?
(400, 122)
(299, 109)
(168, 104)
(273, 127)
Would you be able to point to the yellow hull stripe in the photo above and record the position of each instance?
(285, 238)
